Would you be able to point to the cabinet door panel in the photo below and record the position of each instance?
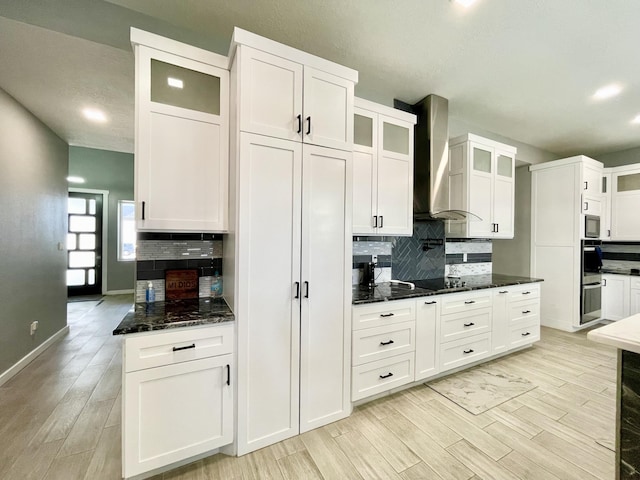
(175, 412)
(615, 297)
(328, 102)
(427, 342)
(634, 301)
(395, 188)
(625, 224)
(326, 252)
(268, 314)
(480, 203)
(270, 94)
(364, 192)
(503, 207)
(175, 177)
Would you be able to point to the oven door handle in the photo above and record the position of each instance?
(591, 286)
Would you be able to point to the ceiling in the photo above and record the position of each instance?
(524, 69)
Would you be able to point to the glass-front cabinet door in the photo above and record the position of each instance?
(481, 191)
(365, 172)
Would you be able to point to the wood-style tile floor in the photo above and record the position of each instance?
(60, 419)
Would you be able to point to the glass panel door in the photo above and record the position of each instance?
(84, 244)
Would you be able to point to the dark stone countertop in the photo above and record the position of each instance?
(621, 271)
(145, 317)
(387, 291)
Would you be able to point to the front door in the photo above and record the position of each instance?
(84, 244)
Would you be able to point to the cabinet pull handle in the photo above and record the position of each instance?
(608, 233)
(469, 302)
(468, 351)
(386, 314)
(381, 221)
(175, 349)
(604, 282)
(143, 205)
(504, 291)
(526, 311)
(309, 125)
(497, 228)
(297, 290)
(375, 221)
(430, 303)
(387, 375)
(299, 117)
(470, 324)
(526, 334)
(306, 286)
(228, 374)
(586, 185)
(526, 293)
(387, 343)
(586, 206)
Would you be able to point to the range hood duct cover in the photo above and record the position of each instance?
(431, 164)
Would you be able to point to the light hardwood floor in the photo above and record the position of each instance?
(60, 419)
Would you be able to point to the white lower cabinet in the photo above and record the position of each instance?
(403, 341)
(181, 407)
(634, 297)
(615, 296)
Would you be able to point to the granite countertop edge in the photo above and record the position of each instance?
(623, 334)
(619, 271)
(400, 292)
(153, 317)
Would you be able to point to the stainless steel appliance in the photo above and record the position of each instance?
(591, 286)
(591, 226)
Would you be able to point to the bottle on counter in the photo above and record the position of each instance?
(216, 285)
(150, 293)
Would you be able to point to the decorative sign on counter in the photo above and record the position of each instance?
(181, 284)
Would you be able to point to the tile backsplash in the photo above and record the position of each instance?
(157, 252)
(622, 255)
(468, 257)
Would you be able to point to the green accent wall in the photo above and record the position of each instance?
(112, 171)
(33, 219)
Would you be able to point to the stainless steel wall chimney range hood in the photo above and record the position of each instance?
(431, 157)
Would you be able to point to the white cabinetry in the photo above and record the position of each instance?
(383, 346)
(177, 396)
(615, 296)
(625, 191)
(557, 226)
(605, 215)
(282, 97)
(290, 246)
(634, 296)
(382, 170)
(481, 181)
(427, 333)
(182, 136)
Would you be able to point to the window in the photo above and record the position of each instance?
(126, 231)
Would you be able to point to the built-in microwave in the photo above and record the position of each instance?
(591, 226)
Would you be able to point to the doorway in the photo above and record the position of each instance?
(84, 243)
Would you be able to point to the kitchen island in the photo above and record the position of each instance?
(625, 336)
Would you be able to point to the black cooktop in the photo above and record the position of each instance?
(438, 283)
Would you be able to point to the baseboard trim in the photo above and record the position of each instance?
(119, 292)
(32, 355)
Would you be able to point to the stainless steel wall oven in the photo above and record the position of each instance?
(591, 285)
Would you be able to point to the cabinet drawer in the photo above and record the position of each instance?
(464, 324)
(524, 334)
(527, 291)
(385, 313)
(377, 343)
(467, 350)
(380, 376)
(464, 302)
(524, 309)
(155, 349)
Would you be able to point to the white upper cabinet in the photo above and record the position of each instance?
(382, 170)
(605, 216)
(482, 180)
(286, 98)
(625, 203)
(182, 136)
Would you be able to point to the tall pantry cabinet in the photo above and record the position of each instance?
(290, 238)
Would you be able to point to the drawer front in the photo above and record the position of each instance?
(522, 292)
(525, 309)
(384, 313)
(380, 376)
(465, 302)
(377, 343)
(468, 350)
(155, 349)
(524, 334)
(465, 324)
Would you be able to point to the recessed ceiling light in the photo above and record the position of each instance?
(636, 119)
(94, 115)
(607, 91)
(175, 82)
(75, 179)
(465, 3)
